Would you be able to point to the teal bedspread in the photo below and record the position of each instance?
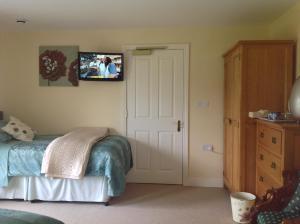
(110, 157)
(20, 217)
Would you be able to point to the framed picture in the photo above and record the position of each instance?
(58, 65)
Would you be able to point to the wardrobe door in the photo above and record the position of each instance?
(237, 153)
(232, 106)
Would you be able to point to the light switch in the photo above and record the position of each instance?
(203, 104)
(208, 147)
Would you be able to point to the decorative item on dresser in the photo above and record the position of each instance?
(258, 75)
(278, 147)
(294, 101)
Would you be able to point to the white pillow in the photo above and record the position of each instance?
(18, 130)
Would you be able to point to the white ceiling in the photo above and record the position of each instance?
(81, 14)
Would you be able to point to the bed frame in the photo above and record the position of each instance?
(88, 189)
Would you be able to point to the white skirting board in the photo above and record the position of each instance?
(204, 182)
(88, 189)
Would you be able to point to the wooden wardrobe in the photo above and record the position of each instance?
(258, 75)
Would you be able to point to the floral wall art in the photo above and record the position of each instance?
(58, 65)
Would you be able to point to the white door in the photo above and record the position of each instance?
(155, 104)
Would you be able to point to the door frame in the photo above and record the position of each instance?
(185, 128)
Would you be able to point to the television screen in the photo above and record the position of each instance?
(100, 66)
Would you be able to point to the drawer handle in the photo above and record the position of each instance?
(261, 179)
(261, 135)
(261, 157)
(274, 140)
(273, 165)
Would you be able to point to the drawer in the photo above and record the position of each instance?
(269, 137)
(261, 190)
(270, 163)
(264, 182)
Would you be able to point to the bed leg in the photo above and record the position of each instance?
(34, 201)
(106, 203)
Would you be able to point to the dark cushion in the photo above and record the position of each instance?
(20, 217)
(4, 137)
(294, 204)
(275, 217)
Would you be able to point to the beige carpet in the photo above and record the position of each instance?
(142, 204)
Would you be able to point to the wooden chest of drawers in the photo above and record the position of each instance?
(278, 149)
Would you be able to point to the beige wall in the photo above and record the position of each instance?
(1, 86)
(58, 109)
(288, 27)
(3, 71)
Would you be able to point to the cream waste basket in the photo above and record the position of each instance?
(241, 204)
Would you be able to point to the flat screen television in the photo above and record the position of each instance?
(95, 66)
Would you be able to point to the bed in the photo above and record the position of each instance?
(105, 176)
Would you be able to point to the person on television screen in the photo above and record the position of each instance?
(111, 69)
(93, 67)
(102, 67)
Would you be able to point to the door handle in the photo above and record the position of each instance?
(261, 179)
(178, 125)
(229, 121)
(261, 157)
(273, 165)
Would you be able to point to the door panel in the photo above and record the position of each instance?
(142, 88)
(232, 88)
(166, 87)
(235, 89)
(166, 149)
(236, 158)
(227, 88)
(155, 104)
(228, 153)
(142, 150)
